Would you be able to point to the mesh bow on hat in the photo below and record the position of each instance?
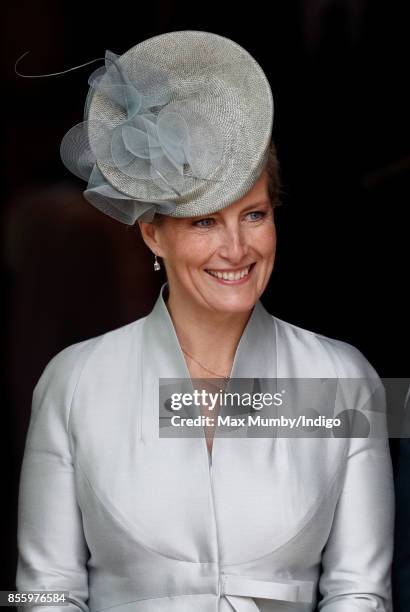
(180, 125)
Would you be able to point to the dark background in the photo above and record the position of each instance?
(339, 76)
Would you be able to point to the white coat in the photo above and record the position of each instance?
(129, 521)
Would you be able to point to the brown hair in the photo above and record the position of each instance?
(274, 181)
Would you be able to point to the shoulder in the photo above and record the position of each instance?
(63, 372)
(92, 362)
(308, 354)
(338, 357)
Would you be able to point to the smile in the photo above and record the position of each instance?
(231, 275)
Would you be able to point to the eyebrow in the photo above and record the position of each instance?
(250, 207)
(255, 204)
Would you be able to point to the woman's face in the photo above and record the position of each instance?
(221, 261)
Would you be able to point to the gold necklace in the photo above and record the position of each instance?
(226, 378)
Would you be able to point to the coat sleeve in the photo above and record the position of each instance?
(356, 562)
(52, 550)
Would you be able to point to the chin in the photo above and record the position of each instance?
(234, 305)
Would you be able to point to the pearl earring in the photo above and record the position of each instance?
(157, 265)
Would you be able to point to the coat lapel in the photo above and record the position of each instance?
(255, 354)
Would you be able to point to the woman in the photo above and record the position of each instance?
(178, 137)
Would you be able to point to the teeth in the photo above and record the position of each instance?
(230, 275)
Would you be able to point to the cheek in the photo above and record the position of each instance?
(265, 241)
(187, 249)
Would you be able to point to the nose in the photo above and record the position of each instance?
(234, 245)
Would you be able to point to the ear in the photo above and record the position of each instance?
(151, 235)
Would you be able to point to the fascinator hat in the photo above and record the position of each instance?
(179, 125)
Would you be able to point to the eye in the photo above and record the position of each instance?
(204, 222)
(256, 215)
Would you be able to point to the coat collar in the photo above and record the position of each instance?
(255, 357)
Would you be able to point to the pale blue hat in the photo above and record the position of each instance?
(180, 124)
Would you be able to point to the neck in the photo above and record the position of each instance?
(211, 337)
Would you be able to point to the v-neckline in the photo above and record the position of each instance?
(255, 355)
(256, 352)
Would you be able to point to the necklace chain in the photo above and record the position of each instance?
(226, 378)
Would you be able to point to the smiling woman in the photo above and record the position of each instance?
(126, 519)
(217, 267)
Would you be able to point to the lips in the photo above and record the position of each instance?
(231, 275)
